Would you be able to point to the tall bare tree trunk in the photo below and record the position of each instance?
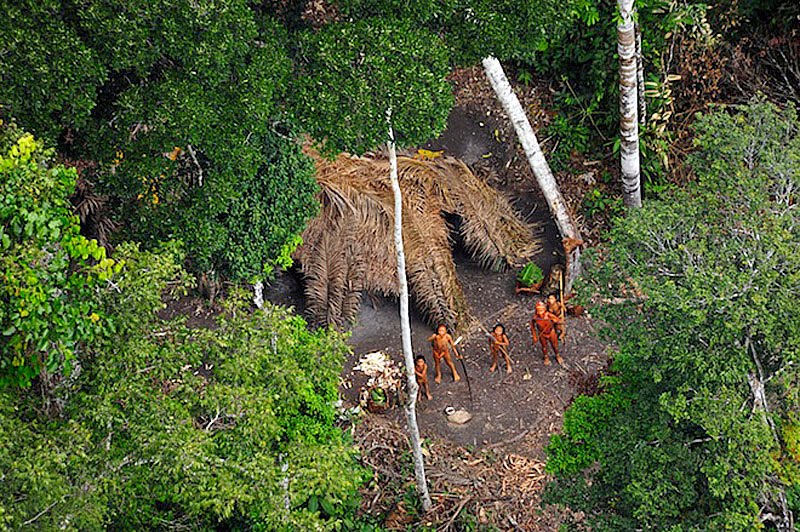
(405, 327)
(640, 76)
(541, 170)
(628, 120)
(783, 519)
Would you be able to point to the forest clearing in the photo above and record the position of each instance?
(370, 265)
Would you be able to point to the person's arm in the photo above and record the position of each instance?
(431, 337)
(505, 340)
(533, 331)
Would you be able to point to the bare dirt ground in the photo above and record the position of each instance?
(491, 468)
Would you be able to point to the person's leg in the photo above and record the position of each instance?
(543, 342)
(508, 362)
(494, 359)
(428, 391)
(554, 343)
(449, 361)
(437, 366)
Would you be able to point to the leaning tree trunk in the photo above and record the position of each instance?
(628, 120)
(405, 326)
(541, 170)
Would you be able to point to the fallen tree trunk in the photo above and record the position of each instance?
(541, 170)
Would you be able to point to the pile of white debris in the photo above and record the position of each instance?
(383, 373)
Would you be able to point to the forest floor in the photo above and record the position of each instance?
(492, 466)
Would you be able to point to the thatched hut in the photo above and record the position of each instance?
(348, 248)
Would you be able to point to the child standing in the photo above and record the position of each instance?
(421, 371)
(498, 343)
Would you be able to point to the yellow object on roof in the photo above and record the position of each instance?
(428, 154)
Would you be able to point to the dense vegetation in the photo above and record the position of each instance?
(176, 106)
(696, 424)
(187, 115)
(139, 421)
(182, 124)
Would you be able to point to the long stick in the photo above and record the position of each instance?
(464, 368)
(498, 345)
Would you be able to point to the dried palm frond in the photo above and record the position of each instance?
(430, 269)
(92, 209)
(349, 247)
(494, 235)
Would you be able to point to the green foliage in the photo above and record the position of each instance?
(573, 134)
(49, 270)
(598, 203)
(242, 225)
(530, 275)
(474, 29)
(46, 469)
(352, 73)
(176, 102)
(708, 278)
(584, 58)
(49, 77)
(378, 395)
(168, 426)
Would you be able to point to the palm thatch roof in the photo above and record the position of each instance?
(349, 247)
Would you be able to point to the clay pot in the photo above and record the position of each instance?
(376, 408)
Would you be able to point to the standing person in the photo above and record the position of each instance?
(543, 330)
(498, 343)
(442, 342)
(421, 371)
(557, 308)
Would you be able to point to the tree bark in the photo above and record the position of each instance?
(541, 170)
(640, 76)
(784, 520)
(405, 327)
(628, 120)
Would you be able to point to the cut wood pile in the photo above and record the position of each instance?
(348, 248)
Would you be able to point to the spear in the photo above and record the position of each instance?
(463, 367)
(562, 311)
